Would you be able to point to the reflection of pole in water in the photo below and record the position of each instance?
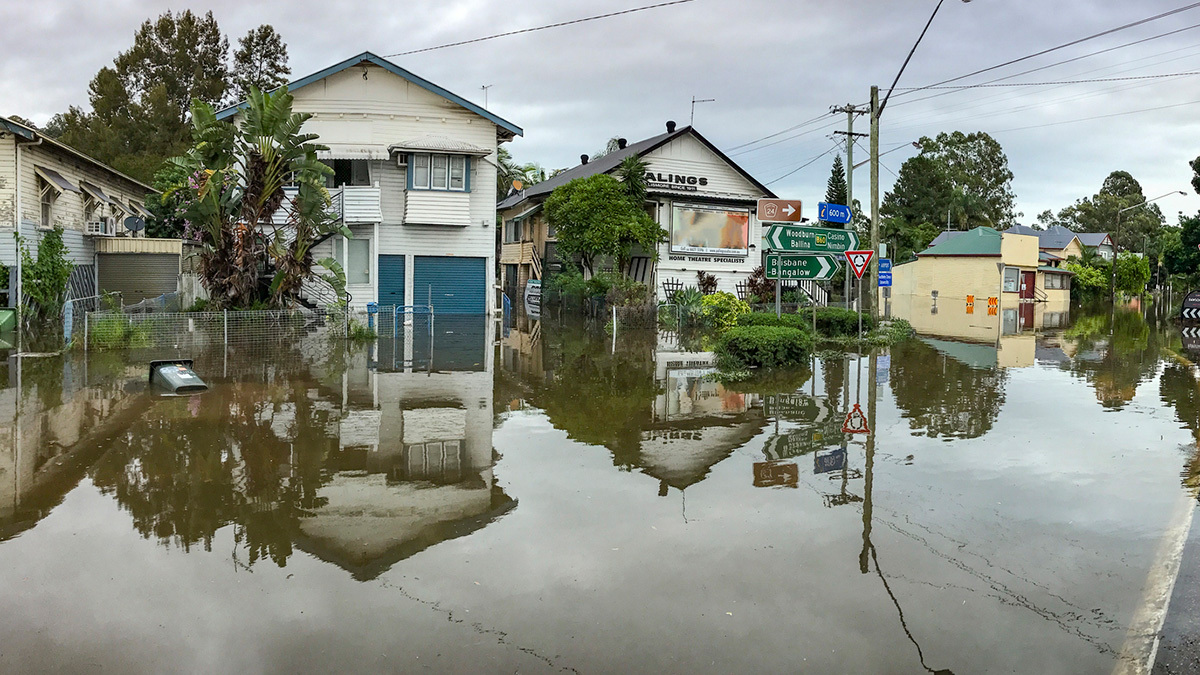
(903, 623)
(869, 471)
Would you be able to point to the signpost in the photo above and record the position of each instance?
(805, 239)
(833, 213)
(819, 267)
(858, 264)
(779, 210)
(856, 422)
(1191, 307)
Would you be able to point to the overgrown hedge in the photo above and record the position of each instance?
(831, 321)
(763, 347)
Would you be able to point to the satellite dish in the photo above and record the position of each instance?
(135, 224)
(517, 184)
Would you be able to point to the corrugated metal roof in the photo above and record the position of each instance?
(1054, 270)
(439, 144)
(55, 178)
(979, 241)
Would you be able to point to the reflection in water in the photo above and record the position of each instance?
(317, 450)
(948, 392)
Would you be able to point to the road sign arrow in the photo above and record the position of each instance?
(809, 267)
(805, 239)
(789, 210)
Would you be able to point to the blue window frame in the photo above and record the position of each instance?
(434, 171)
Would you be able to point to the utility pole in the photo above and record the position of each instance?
(873, 287)
(850, 111)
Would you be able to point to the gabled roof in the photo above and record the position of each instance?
(30, 134)
(1093, 239)
(368, 57)
(979, 241)
(612, 160)
(945, 236)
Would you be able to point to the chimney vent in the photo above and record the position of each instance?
(621, 143)
(670, 126)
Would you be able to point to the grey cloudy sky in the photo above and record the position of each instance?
(770, 64)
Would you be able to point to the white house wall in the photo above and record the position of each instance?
(687, 156)
(8, 185)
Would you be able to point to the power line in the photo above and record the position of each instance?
(545, 27)
(835, 147)
(1099, 117)
(1043, 84)
(1072, 43)
(818, 118)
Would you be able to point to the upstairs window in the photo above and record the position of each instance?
(439, 172)
(347, 172)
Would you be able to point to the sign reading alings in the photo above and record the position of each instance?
(675, 181)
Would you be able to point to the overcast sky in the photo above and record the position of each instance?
(770, 65)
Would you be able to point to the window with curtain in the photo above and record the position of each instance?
(1012, 279)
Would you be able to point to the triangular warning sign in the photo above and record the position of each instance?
(856, 422)
(858, 261)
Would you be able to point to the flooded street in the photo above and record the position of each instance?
(540, 497)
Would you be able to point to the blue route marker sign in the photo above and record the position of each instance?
(885, 272)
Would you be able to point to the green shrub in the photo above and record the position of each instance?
(617, 288)
(801, 321)
(721, 310)
(763, 347)
(200, 305)
(359, 332)
(838, 322)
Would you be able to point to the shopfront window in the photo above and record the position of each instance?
(1012, 279)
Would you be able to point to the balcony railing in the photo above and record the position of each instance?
(353, 204)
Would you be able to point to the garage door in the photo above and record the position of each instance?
(453, 285)
(138, 275)
(391, 280)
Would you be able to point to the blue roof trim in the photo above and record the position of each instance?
(368, 57)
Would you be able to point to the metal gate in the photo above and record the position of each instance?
(452, 285)
(391, 280)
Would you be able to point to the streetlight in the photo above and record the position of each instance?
(1112, 277)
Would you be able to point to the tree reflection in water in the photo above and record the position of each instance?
(942, 396)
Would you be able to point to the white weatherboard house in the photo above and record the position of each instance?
(704, 200)
(414, 179)
(45, 183)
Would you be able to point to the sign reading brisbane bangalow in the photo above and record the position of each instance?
(779, 210)
(818, 267)
(803, 239)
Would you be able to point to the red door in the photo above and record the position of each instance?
(1028, 281)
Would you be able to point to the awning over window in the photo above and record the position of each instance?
(139, 209)
(350, 151)
(54, 178)
(97, 194)
(440, 144)
(526, 213)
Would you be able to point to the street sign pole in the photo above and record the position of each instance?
(778, 307)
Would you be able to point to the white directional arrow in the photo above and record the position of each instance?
(825, 267)
(789, 210)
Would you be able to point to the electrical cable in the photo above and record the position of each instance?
(537, 28)
(818, 118)
(804, 165)
(1087, 81)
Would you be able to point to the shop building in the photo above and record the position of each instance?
(702, 198)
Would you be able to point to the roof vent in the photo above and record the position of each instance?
(621, 143)
(583, 159)
(670, 126)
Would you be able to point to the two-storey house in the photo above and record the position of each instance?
(702, 198)
(414, 180)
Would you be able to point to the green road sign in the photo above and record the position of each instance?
(819, 267)
(801, 239)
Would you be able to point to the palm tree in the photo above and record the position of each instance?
(632, 172)
(508, 171)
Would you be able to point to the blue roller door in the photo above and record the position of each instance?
(391, 280)
(454, 285)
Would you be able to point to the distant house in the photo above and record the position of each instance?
(981, 283)
(45, 183)
(414, 180)
(704, 200)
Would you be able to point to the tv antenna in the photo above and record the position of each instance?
(694, 102)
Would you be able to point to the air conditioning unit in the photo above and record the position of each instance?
(99, 228)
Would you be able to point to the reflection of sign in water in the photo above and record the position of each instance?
(776, 474)
(856, 422)
(707, 229)
(796, 407)
(883, 364)
(1191, 338)
(793, 443)
(533, 298)
(834, 460)
(691, 392)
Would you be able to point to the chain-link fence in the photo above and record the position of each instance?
(121, 330)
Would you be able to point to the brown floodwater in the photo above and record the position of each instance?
(542, 497)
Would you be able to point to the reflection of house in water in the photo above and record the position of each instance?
(697, 422)
(415, 460)
(947, 389)
(50, 423)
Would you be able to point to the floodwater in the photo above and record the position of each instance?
(541, 498)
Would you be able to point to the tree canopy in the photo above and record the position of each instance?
(596, 217)
(976, 166)
(1139, 225)
(836, 191)
(261, 62)
(139, 105)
